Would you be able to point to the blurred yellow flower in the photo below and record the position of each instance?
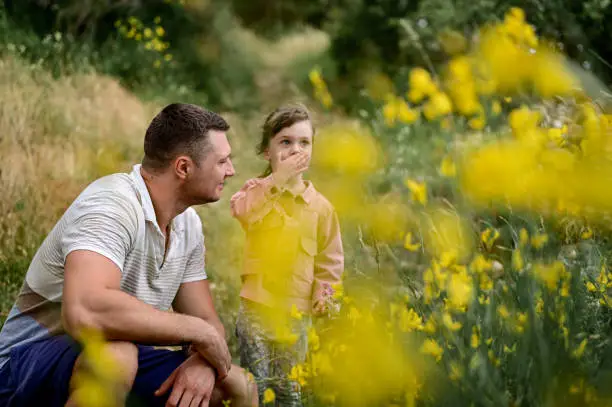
(447, 167)
(409, 320)
(298, 374)
(408, 245)
(460, 291)
(269, 396)
(550, 274)
(449, 323)
(418, 190)
(539, 240)
(431, 347)
(439, 105)
(475, 338)
(421, 84)
(478, 122)
(579, 351)
(488, 237)
(496, 108)
(294, 313)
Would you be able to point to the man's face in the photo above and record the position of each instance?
(206, 182)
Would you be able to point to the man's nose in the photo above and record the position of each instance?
(230, 170)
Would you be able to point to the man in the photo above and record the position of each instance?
(129, 248)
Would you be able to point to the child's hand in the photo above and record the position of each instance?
(290, 167)
(319, 308)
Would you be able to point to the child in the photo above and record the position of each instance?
(293, 255)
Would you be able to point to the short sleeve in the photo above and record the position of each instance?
(103, 223)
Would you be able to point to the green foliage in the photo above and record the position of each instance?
(189, 54)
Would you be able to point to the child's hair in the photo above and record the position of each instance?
(282, 117)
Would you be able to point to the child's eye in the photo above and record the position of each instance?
(305, 142)
(285, 142)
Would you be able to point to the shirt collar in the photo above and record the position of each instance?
(145, 197)
(308, 194)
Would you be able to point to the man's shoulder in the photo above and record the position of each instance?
(116, 190)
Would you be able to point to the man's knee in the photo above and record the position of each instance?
(123, 354)
(126, 357)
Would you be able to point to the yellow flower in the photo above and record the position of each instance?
(448, 322)
(550, 274)
(439, 104)
(418, 190)
(410, 321)
(160, 31)
(168, 57)
(460, 291)
(478, 122)
(298, 374)
(447, 167)
(551, 77)
(523, 237)
(488, 237)
(405, 114)
(496, 108)
(517, 260)
(431, 347)
(294, 313)
(503, 312)
(430, 326)
(579, 351)
(591, 287)
(148, 33)
(480, 264)
(420, 81)
(587, 233)
(456, 371)
(475, 339)
(313, 339)
(408, 245)
(269, 396)
(539, 240)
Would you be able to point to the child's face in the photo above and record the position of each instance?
(291, 140)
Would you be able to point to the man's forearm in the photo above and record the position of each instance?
(123, 317)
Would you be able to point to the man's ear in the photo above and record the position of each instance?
(183, 167)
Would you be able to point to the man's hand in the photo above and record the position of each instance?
(192, 383)
(288, 168)
(216, 352)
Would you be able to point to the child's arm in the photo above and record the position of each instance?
(254, 200)
(329, 262)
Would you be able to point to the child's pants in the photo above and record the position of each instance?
(270, 360)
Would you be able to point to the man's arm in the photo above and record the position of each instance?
(195, 299)
(92, 299)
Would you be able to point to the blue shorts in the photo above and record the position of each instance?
(38, 373)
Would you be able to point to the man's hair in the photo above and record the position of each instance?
(179, 129)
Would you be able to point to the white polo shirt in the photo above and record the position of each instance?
(114, 217)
